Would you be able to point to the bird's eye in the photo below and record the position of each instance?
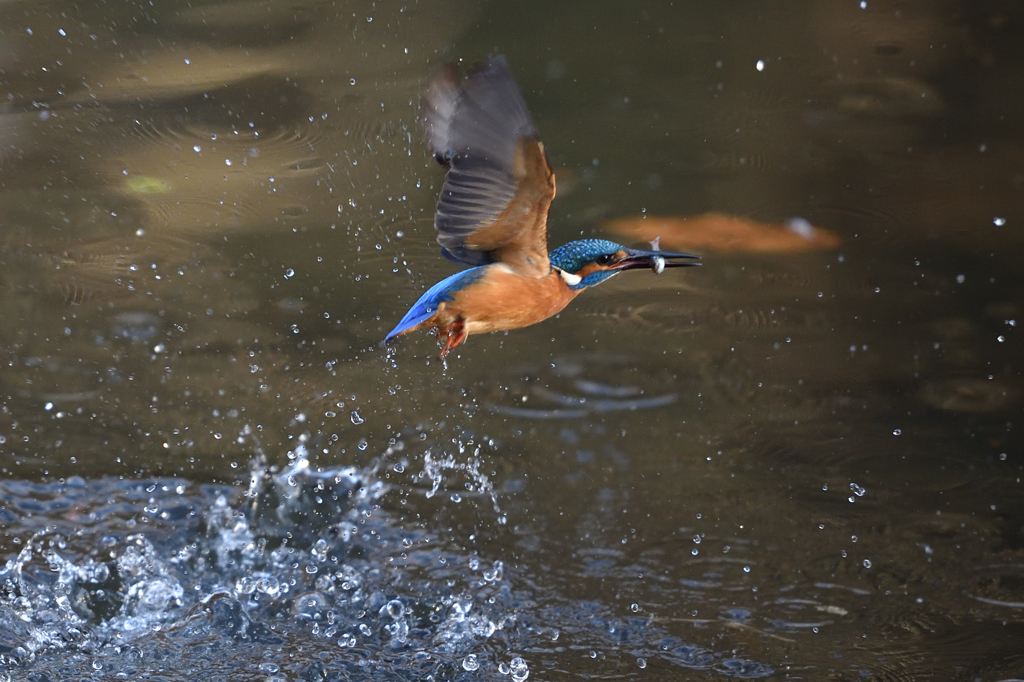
(604, 259)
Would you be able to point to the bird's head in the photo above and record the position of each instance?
(587, 262)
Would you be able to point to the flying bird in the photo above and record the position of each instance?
(493, 213)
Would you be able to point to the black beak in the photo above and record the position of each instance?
(655, 260)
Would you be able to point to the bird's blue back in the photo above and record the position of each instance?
(434, 296)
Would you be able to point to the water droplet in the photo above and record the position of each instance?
(495, 573)
(999, 222)
(470, 663)
(518, 669)
(760, 65)
(356, 419)
(897, 432)
(395, 609)
(867, 563)
(642, 662)
(289, 273)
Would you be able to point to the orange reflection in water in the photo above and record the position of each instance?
(719, 232)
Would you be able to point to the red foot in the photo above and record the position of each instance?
(453, 336)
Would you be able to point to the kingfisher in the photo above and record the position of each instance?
(493, 212)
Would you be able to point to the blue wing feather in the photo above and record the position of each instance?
(434, 296)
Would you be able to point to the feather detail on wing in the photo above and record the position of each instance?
(499, 186)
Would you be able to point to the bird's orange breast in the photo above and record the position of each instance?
(505, 299)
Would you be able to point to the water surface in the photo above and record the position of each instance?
(800, 466)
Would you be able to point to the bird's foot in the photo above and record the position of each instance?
(453, 336)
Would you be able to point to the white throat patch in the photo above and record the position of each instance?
(570, 279)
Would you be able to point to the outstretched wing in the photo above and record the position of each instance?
(499, 186)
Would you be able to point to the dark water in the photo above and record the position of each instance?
(791, 466)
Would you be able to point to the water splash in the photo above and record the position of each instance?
(305, 541)
(437, 467)
(300, 558)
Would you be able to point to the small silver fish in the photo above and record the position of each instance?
(657, 262)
